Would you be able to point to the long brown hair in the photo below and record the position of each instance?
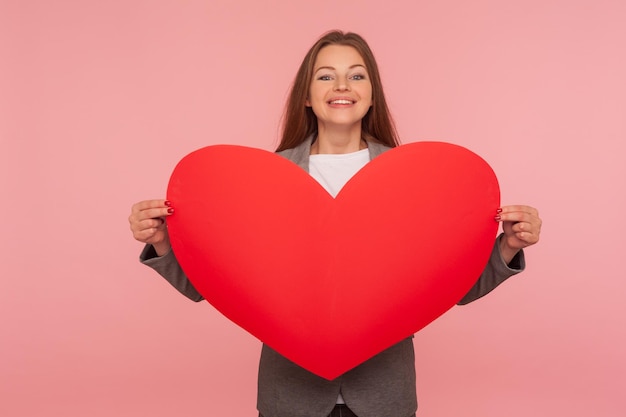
(299, 121)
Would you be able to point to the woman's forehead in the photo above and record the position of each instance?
(333, 56)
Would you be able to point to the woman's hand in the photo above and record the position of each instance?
(521, 226)
(147, 222)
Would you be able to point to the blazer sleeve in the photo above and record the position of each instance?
(495, 273)
(168, 267)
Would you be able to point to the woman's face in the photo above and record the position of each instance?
(341, 92)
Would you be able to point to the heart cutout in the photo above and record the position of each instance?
(329, 283)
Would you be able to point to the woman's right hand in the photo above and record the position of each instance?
(147, 222)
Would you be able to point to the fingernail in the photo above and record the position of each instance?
(170, 210)
(168, 203)
(498, 218)
(499, 210)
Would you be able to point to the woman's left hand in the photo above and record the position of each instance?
(521, 226)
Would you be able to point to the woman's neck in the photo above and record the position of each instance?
(338, 142)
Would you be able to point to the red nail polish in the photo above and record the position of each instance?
(499, 211)
(170, 210)
(168, 203)
(498, 218)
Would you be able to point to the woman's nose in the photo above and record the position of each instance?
(341, 85)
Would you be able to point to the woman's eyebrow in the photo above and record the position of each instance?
(333, 68)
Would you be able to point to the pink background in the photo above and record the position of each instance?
(99, 100)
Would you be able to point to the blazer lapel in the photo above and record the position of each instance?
(300, 154)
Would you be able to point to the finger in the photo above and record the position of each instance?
(521, 227)
(150, 204)
(527, 237)
(151, 230)
(145, 235)
(157, 223)
(532, 227)
(154, 213)
(517, 216)
(521, 209)
(138, 226)
(526, 231)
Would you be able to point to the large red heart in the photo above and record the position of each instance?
(329, 283)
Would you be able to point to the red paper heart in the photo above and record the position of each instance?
(329, 283)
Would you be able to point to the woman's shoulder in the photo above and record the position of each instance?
(376, 148)
(299, 155)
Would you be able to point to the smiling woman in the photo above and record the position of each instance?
(336, 121)
(301, 121)
(340, 96)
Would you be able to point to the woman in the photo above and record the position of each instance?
(337, 120)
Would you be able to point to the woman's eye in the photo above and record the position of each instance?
(358, 77)
(324, 77)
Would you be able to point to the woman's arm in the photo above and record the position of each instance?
(495, 273)
(148, 224)
(168, 267)
(521, 227)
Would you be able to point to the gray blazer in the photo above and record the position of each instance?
(380, 386)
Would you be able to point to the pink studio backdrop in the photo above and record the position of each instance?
(99, 101)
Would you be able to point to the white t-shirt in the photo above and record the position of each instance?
(333, 171)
